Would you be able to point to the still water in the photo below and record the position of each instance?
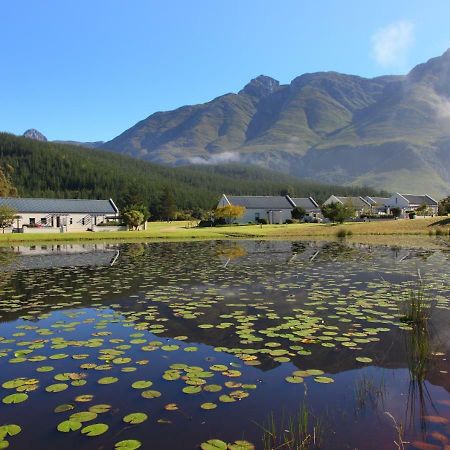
(254, 344)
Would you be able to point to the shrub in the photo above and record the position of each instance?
(205, 223)
(289, 221)
(342, 233)
(262, 221)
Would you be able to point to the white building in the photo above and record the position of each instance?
(378, 205)
(274, 209)
(412, 202)
(59, 215)
(360, 204)
(311, 207)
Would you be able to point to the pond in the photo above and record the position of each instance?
(215, 345)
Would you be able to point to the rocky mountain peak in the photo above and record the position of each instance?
(35, 134)
(261, 86)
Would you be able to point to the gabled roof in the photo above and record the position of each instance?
(419, 199)
(356, 202)
(305, 202)
(379, 201)
(260, 202)
(56, 205)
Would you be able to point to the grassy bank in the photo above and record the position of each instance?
(186, 230)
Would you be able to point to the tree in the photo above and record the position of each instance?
(298, 213)
(168, 207)
(7, 216)
(6, 187)
(396, 212)
(133, 218)
(338, 212)
(444, 206)
(229, 212)
(422, 209)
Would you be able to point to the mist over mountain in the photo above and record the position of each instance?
(390, 132)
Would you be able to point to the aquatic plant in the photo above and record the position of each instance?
(302, 431)
(400, 440)
(416, 307)
(368, 393)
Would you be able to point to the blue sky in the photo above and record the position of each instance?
(89, 69)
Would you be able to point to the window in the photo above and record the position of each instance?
(82, 221)
(257, 216)
(32, 221)
(44, 220)
(71, 221)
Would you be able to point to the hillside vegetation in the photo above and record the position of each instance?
(45, 169)
(391, 132)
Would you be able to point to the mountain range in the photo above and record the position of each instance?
(390, 132)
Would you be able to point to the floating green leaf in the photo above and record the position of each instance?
(135, 418)
(95, 430)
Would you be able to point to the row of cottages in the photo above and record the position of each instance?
(53, 215)
(383, 205)
(274, 209)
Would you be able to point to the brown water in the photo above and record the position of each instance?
(218, 331)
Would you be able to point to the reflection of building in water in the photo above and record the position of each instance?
(62, 255)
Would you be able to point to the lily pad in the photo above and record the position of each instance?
(135, 418)
(69, 425)
(15, 398)
(130, 444)
(95, 429)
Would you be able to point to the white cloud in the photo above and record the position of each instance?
(390, 44)
(218, 158)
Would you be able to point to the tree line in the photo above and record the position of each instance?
(46, 169)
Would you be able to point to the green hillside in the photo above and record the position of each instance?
(45, 169)
(391, 132)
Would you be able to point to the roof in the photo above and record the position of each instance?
(377, 200)
(260, 202)
(56, 205)
(356, 202)
(415, 199)
(305, 202)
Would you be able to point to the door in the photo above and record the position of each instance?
(58, 221)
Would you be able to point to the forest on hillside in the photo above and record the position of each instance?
(46, 169)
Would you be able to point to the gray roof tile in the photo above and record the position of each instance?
(55, 205)
(304, 202)
(260, 202)
(414, 199)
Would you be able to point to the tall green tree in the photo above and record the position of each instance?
(338, 212)
(6, 187)
(7, 216)
(298, 213)
(133, 218)
(444, 206)
(168, 206)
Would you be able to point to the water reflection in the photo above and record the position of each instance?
(289, 317)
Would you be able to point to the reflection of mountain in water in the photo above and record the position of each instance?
(244, 276)
(60, 255)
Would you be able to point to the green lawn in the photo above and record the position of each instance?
(187, 230)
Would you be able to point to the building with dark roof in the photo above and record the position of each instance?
(413, 202)
(273, 209)
(378, 205)
(359, 204)
(59, 215)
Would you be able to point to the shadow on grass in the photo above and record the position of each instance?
(440, 223)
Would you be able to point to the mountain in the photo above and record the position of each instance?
(94, 144)
(35, 134)
(48, 169)
(391, 132)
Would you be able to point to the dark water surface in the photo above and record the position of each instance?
(222, 334)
